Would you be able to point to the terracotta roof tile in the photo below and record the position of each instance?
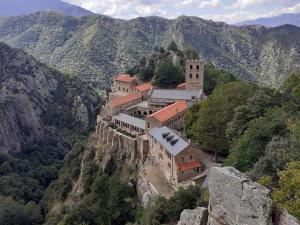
(124, 78)
(170, 111)
(125, 99)
(144, 87)
(189, 165)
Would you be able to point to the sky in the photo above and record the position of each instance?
(230, 11)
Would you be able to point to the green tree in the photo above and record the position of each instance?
(206, 122)
(13, 213)
(168, 75)
(292, 84)
(252, 145)
(173, 47)
(190, 53)
(288, 193)
(214, 77)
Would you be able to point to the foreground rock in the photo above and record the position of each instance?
(236, 200)
(283, 218)
(194, 217)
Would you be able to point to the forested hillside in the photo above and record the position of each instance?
(42, 114)
(96, 47)
(257, 129)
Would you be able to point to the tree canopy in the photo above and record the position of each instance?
(168, 75)
(206, 122)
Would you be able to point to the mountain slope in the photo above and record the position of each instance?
(96, 47)
(34, 98)
(21, 7)
(289, 18)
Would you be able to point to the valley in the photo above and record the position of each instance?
(147, 121)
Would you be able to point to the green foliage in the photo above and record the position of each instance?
(16, 213)
(173, 47)
(206, 122)
(214, 77)
(167, 75)
(251, 146)
(168, 210)
(292, 84)
(288, 193)
(25, 176)
(190, 53)
(108, 201)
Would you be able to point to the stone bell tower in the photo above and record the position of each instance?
(194, 74)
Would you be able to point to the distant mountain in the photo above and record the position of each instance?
(22, 7)
(96, 47)
(36, 102)
(293, 19)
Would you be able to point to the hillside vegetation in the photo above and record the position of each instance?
(42, 114)
(96, 47)
(257, 129)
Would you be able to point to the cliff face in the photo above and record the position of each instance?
(96, 47)
(33, 98)
(236, 200)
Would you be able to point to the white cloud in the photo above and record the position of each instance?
(246, 4)
(218, 10)
(244, 15)
(202, 4)
(123, 8)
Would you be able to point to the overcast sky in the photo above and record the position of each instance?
(230, 11)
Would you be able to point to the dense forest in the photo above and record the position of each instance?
(257, 129)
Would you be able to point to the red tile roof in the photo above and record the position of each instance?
(144, 87)
(125, 99)
(124, 78)
(189, 165)
(170, 111)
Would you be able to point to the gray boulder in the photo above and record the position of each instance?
(236, 200)
(197, 216)
(283, 218)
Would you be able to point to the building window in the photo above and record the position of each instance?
(191, 75)
(182, 172)
(191, 157)
(169, 165)
(119, 88)
(182, 159)
(191, 67)
(197, 76)
(198, 67)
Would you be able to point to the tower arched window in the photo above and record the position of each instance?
(191, 75)
(191, 67)
(197, 75)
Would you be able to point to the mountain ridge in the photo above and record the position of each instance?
(20, 7)
(282, 19)
(96, 47)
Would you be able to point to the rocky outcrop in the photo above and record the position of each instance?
(194, 217)
(282, 217)
(34, 97)
(236, 200)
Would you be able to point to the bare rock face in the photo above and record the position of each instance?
(283, 218)
(197, 216)
(236, 200)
